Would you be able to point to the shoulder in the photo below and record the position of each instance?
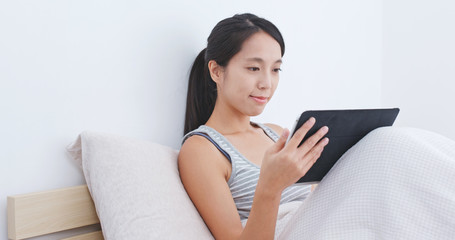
(198, 153)
(278, 129)
(194, 145)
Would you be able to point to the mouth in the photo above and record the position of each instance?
(259, 99)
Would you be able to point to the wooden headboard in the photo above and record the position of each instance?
(41, 213)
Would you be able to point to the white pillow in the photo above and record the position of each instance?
(136, 188)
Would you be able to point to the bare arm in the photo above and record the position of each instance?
(203, 171)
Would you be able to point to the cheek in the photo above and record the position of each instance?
(233, 88)
(274, 86)
(239, 85)
(275, 83)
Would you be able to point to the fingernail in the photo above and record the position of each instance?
(312, 120)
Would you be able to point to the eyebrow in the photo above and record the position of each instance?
(256, 59)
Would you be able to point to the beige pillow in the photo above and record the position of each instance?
(136, 188)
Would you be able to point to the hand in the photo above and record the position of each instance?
(284, 164)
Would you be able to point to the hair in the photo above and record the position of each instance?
(223, 43)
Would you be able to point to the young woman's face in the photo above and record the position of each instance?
(249, 80)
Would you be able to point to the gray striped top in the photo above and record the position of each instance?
(245, 174)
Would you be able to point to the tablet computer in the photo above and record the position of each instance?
(346, 128)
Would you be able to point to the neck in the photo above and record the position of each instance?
(227, 120)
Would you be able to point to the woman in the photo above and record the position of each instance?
(233, 169)
(231, 80)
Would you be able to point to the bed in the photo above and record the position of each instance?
(42, 213)
(396, 183)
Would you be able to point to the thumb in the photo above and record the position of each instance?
(281, 142)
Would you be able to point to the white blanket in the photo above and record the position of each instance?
(396, 183)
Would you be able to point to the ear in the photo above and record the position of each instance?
(216, 71)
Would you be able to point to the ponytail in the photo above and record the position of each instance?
(201, 96)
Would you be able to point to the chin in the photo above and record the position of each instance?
(254, 115)
(255, 112)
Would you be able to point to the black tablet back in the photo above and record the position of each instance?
(346, 128)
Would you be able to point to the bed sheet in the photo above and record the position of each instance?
(396, 183)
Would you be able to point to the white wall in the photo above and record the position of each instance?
(332, 59)
(121, 67)
(419, 63)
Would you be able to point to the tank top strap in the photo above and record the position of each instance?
(205, 135)
(225, 147)
(216, 139)
(270, 132)
(220, 141)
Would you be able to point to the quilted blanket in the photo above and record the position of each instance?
(396, 183)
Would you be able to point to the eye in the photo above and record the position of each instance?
(253, 69)
(277, 70)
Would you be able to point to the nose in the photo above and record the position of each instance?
(265, 81)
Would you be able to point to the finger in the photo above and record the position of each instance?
(279, 144)
(313, 140)
(300, 133)
(313, 155)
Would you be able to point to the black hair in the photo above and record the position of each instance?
(223, 43)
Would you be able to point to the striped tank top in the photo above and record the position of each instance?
(245, 174)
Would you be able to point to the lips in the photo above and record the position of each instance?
(259, 99)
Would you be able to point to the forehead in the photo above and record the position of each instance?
(259, 46)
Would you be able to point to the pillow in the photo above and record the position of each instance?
(136, 188)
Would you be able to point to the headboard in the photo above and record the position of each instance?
(41, 213)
